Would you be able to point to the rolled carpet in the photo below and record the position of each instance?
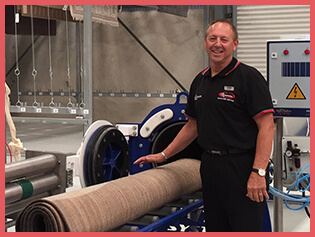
(109, 205)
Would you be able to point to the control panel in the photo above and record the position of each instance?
(288, 75)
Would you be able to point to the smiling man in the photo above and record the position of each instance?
(220, 43)
(230, 111)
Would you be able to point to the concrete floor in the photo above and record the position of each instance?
(66, 138)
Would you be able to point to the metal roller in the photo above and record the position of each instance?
(24, 189)
(30, 167)
(13, 208)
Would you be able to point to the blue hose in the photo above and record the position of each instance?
(286, 196)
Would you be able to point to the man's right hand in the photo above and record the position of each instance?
(152, 158)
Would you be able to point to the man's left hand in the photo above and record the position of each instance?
(256, 188)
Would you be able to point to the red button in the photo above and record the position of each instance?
(286, 52)
(307, 51)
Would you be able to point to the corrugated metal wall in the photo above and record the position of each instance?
(257, 24)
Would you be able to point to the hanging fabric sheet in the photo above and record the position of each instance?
(109, 205)
(105, 14)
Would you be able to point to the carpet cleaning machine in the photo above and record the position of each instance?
(107, 152)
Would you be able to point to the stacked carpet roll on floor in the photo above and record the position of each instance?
(106, 206)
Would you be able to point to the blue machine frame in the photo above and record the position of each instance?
(139, 146)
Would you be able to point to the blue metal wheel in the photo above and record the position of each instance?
(107, 156)
(111, 162)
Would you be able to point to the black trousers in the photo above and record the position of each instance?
(224, 186)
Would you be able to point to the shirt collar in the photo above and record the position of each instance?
(226, 71)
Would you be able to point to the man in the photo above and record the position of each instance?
(230, 111)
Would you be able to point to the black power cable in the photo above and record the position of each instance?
(305, 208)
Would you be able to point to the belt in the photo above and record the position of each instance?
(226, 152)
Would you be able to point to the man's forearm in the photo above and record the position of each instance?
(264, 141)
(185, 136)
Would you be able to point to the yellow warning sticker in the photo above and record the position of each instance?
(296, 93)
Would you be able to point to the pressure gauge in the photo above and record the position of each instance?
(288, 153)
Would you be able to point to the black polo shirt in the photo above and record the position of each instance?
(226, 105)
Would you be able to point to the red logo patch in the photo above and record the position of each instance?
(227, 95)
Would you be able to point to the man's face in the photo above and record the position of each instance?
(220, 43)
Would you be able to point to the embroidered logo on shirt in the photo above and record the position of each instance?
(225, 95)
(197, 97)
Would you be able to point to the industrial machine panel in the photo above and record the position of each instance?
(288, 74)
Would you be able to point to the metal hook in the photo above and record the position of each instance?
(34, 73)
(35, 104)
(70, 105)
(18, 104)
(81, 105)
(52, 105)
(17, 72)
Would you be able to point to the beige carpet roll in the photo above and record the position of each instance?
(106, 206)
